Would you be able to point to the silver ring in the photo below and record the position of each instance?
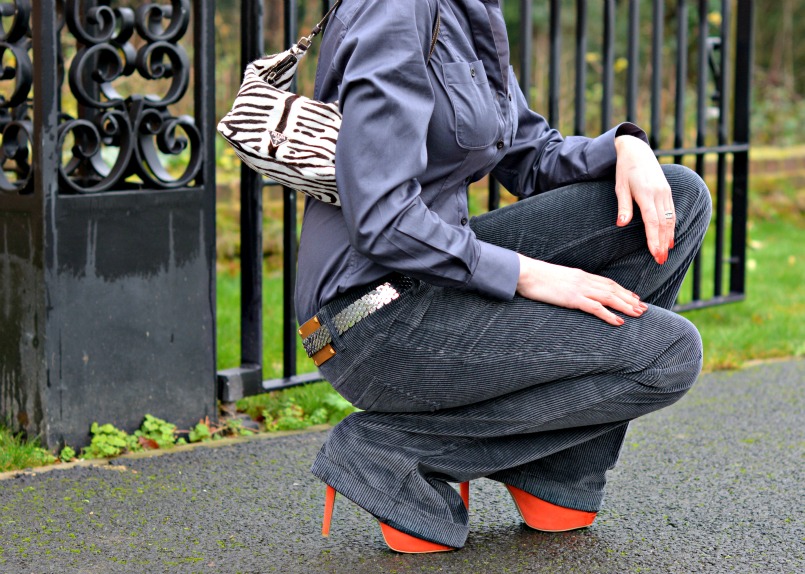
(669, 215)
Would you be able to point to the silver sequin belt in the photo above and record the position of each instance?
(316, 336)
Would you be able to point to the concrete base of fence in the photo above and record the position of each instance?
(111, 320)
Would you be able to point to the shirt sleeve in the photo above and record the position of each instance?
(386, 102)
(541, 159)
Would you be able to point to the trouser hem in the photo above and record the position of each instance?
(386, 508)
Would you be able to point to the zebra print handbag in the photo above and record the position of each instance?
(285, 136)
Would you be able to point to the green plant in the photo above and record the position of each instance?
(205, 430)
(200, 432)
(156, 433)
(67, 454)
(18, 451)
(297, 408)
(109, 441)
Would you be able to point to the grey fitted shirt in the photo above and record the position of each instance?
(414, 135)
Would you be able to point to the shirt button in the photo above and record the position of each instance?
(463, 221)
(472, 72)
(500, 144)
(510, 97)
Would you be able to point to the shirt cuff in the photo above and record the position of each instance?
(601, 154)
(497, 272)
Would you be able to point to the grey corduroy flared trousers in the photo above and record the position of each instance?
(456, 386)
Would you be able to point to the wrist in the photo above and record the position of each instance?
(625, 140)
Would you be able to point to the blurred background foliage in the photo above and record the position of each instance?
(779, 69)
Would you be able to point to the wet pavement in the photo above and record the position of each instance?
(712, 484)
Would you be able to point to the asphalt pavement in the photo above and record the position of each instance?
(712, 484)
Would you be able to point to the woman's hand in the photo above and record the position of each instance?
(576, 289)
(638, 176)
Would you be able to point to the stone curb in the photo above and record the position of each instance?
(109, 463)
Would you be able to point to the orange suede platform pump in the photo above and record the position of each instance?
(542, 515)
(395, 539)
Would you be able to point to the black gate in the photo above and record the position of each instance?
(690, 59)
(107, 207)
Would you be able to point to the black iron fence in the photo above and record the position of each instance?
(107, 183)
(699, 77)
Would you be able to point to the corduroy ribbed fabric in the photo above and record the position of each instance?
(456, 386)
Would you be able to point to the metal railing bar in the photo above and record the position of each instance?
(556, 61)
(251, 215)
(681, 74)
(656, 72)
(493, 201)
(701, 123)
(289, 228)
(721, 182)
(526, 43)
(633, 56)
(719, 149)
(740, 163)
(608, 79)
(718, 300)
(292, 381)
(580, 120)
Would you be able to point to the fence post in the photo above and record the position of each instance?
(107, 238)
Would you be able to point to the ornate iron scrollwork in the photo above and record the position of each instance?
(140, 128)
(15, 117)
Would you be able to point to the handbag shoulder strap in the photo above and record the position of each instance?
(304, 42)
(436, 27)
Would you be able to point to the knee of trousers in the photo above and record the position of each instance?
(676, 366)
(691, 195)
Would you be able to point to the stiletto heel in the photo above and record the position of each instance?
(329, 501)
(465, 493)
(395, 539)
(542, 515)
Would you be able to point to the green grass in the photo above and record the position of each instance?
(18, 452)
(228, 332)
(770, 323)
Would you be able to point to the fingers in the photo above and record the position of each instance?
(576, 289)
(606, 296)
(624, 195)
(651, 222)
(671, 223)
(667, 222)
(660, 205)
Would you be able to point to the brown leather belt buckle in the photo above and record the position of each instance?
(309, 327)
(325, 354)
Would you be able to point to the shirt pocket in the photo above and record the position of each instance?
(471, 97)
